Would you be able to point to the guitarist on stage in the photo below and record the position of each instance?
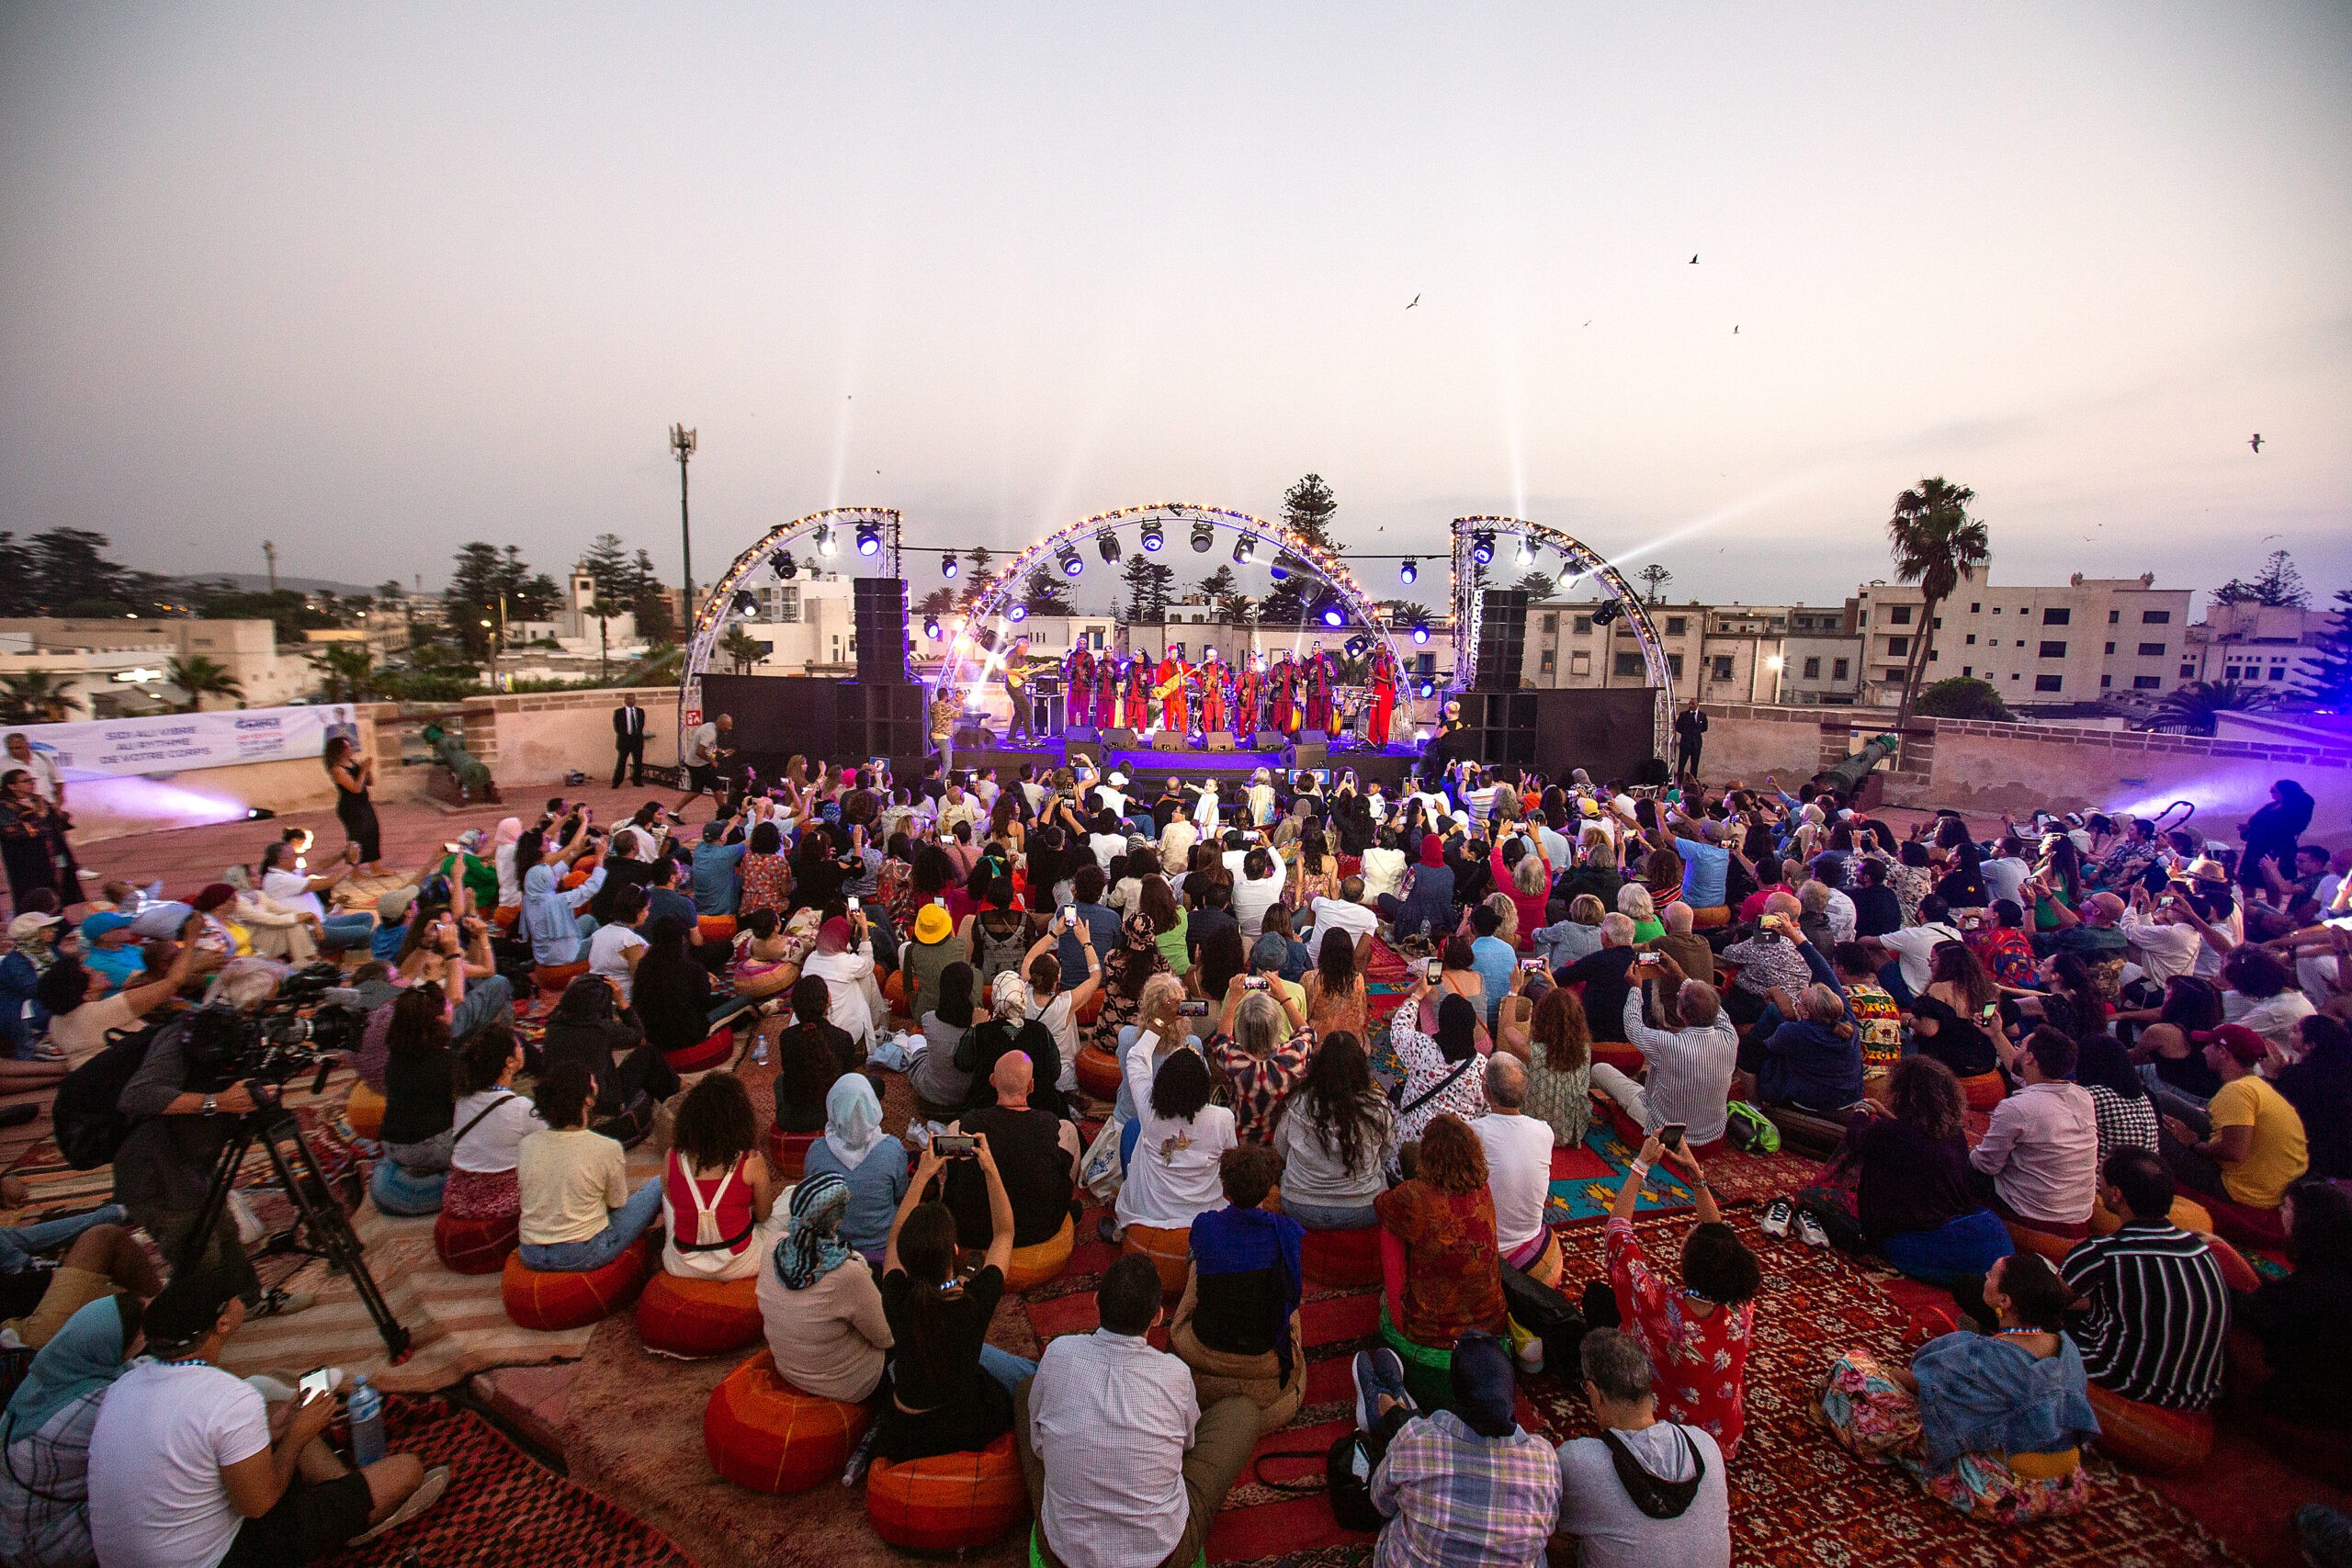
(1168, 685)
(1017, 686)
(1214, 706)
(1138, 696)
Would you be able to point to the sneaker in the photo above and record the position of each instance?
(428, 1491)
(1367, 1387)
(1809, 1230)
(1774, 1221)
(283, 1303)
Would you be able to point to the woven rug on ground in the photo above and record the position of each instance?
(1585, 1179)
(503, 1509)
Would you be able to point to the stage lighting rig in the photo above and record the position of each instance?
(1019, 612)
(1109, 546)
(785, 567)
(1410, 571)
(1245, 550)
(825, 545)
(931, 627)
(1330, 611)
(947, 567)
(1421, 634)
(1152, 536)
(745, 604)
(1071, 564)
(1526, 550)
(1203, 537)
(869, 539)
(1607, 613)
(1482, 548)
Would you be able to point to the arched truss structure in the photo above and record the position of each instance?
(843, 523)
(968, 663)
(1579, 560)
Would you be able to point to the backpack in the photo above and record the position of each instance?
(89, 1124)
(1749, 1130)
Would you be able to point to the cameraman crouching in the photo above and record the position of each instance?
(163, 1169)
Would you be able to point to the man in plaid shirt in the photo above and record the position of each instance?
(1462, 1488)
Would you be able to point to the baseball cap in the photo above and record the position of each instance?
(105, 922)
(24, 928)
(2237, 1039)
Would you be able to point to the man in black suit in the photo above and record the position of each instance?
(628, 742)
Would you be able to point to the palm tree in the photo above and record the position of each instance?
(1410, 618)
(2194, 707)
(1936, 543)
(346, 671)
(1237, 609)
(198, 678)
(741, 648)
(35, 696)
(603, 612)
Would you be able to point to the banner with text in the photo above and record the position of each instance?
(172, 742)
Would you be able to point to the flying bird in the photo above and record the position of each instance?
(2257, 443)
(1735, 330)
(1694, 261)
(1417, 299)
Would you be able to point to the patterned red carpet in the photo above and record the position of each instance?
(502, 1509)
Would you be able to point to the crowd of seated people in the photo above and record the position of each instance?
(2071, 1033)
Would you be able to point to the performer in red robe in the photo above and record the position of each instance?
(1106, 693)
(1282, 682)
(1321, 712)
(1247, 689)
(1078, 705)
(1213, 695)
(1168, 685)
(1384, 696)
(1138, 694)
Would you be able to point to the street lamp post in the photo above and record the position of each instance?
(681, 446)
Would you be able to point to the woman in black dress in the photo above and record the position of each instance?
(32, 843)
(353, 774)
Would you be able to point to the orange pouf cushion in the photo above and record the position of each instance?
(2052, 1244)
(2236, 1272)
(474, 1247)
(679, 1317)
(1032, 1266)
(1098, 1073)
(567, 1300)
(720, 928)
(789, 1153)
(949, 1502)
(1170, 1252)
(1341, 1257)
(1984, 1091)
(505, 915)
(2185, 1214)
(364, 1111)
(763, 1433)
(553, 977)
(713, 1052)
(2149, 1437)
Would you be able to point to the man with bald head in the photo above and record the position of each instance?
(2096, 937)
(1687, 1071)
(1035, 1154)
(1767, 959)
(1518, 1167)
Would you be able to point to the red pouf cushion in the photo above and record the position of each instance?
(1098, 1073)
(474, 1247)
(949, 1502)
(718, 928)
(2149, 1437)
(2247, 1225)
(573, 1299)
(1629, 1132)
(679, 1317)
(1032, 1266)
(1341, 1258)
(1626, 1059)
(553, 977)
(789, 1153)
(1170, 1252)
(763, 1433)
(713, 1052)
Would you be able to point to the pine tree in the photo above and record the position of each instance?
(1308, 509)
(1219, 584)
(609, 564)
(472, 596)
(655, 623)
(2276, 585)
(1537, 585)
(1285, 602)
(2327, 670)
(1148, 585)
(1046, 596)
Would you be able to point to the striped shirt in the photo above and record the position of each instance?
(2158, 1315)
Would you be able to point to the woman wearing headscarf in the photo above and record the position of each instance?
(1428, 900)
(510, 880)
(1441, 1072)
(1137, 960)
(870, 1163)
(823, 1319)
(844, 961)
(552, 921)
(45, 1436)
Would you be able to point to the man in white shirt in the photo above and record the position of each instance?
(956, 807)
(1176, 843)
(2005, 873)
(1125, 1469)
(1519, 1165)
(699, 753)
(2167, 944)
(1115, 794)
(1349, 913)
(189, 1467)
(1913, 945)
(47, 782)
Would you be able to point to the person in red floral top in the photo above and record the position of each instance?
(766, 874)
(1258, 1065)
(1445, 1216)
(2003, 947)
(1697, 1337)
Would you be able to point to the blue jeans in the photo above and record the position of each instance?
(1325, 1217)
(1969, 1245)
(401, 1191)
(627, 1222)
(344, 931)
(1008, 1369)
(19, 1246)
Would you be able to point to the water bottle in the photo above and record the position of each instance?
(760, 1048)
(367, 1425)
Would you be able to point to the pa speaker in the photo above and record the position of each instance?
(881, 623)
(1502, 640)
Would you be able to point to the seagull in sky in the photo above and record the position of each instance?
(1694, 261)
(1734, 329)
(2257, 443)
(1417, 299)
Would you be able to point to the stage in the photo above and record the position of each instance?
(1147, 767)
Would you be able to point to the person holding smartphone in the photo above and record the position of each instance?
(189, 1467)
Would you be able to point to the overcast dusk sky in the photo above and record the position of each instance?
(373, 281)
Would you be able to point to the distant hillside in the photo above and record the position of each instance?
(258, 583)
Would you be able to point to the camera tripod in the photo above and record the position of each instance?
(320, 1229)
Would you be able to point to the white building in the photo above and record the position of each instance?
(2087, 639)
(2253, 644)
(111, 668)
(1721, 653)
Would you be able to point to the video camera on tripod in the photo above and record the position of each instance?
(301, 1028)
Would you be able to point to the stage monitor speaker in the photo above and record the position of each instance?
(1306, 754)
(1502, 640)
(974, 737)
(881, 626)
(1120, 738)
